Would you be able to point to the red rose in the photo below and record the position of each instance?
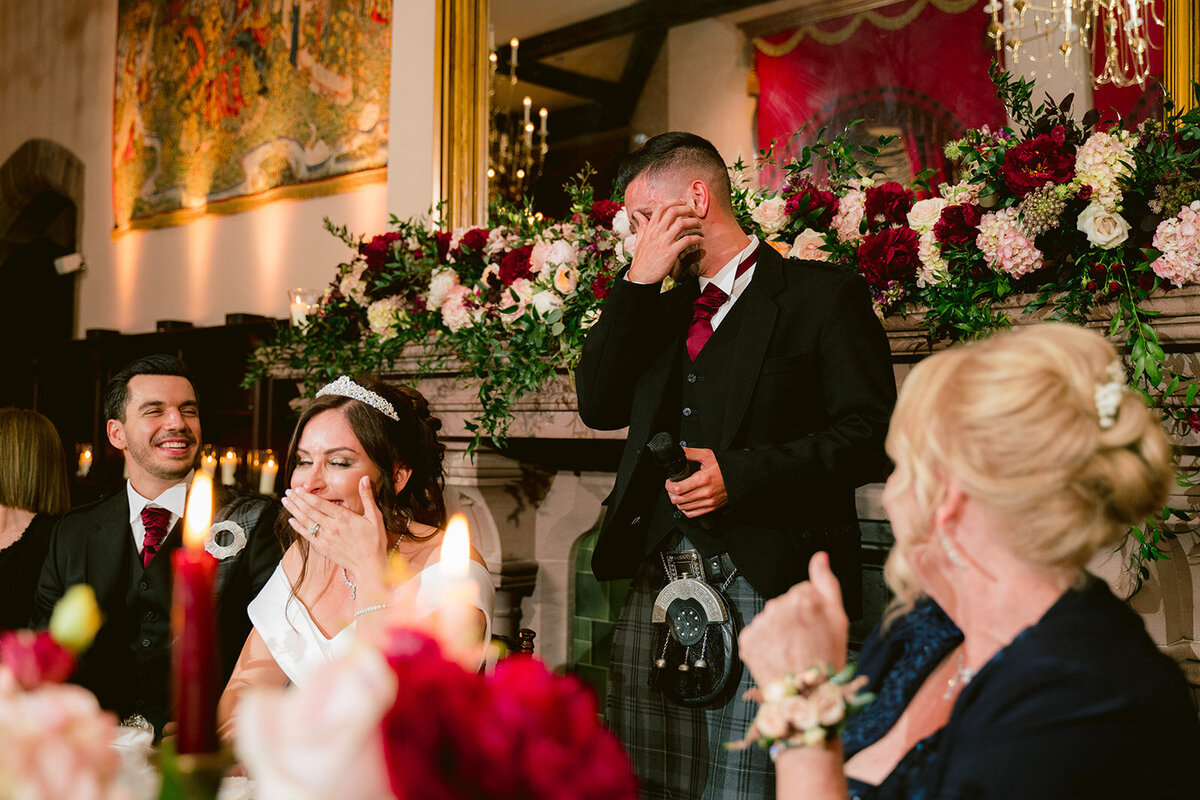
(473, 240)
(957, 225)
(1085, 192)
(888, 202)
(600, 286)
(890, 255)
(603, 211)
(1146, 281)
(815, 207)
(1114, 286)
(377, 251)
(515, 264)
(1034, 163)
(35, 658)
(1092, 286)
(443, 244)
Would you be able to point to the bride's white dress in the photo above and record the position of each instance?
(298, 645)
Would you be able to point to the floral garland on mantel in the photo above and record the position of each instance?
(1080, 216)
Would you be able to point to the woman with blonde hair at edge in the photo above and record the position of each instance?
(1003, 669)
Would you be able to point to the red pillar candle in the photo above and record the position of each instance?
(193, 627)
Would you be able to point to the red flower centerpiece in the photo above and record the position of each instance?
(1035, 162)
(890, 255)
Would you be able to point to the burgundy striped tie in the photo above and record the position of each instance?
(707, 305)
(155, 519)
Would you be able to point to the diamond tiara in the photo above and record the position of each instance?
(345, 387)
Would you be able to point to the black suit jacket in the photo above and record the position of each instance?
(804, 416)
(127, 666)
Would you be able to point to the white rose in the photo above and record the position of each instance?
(563, 252)
(546, 301)
(566, 278)
(440, 284)
(1104, 228)
(620, 224)
(770, 215)
(627, 248)
(925, 213)
(808, 246)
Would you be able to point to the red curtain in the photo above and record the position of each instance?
(928, 78)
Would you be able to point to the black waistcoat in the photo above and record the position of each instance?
(130, 669)
(699, 406)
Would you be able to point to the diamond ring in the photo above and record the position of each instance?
(312, 531)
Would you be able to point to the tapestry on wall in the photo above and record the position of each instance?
(222, 105)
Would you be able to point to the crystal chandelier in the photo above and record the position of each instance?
(1120, 29)
(515, 160)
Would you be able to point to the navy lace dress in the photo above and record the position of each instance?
(1079, 705)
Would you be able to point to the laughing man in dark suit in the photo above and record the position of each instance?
(121, 545)
(775, 377)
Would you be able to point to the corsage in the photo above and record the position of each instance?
(804, 710)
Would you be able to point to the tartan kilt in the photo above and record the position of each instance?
(677, 752)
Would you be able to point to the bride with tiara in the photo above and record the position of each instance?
(365, 473)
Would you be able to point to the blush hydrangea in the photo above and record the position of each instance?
(1006, 247)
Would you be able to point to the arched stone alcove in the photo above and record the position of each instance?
(41, 204)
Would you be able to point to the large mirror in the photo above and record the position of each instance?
(742, 73)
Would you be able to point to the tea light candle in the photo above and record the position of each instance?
(85, 461)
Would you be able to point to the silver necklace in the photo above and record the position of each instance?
(354, 586)
(961, 677)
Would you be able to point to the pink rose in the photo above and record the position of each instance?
(808, 246)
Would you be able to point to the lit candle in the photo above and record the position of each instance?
(208, 462)
(460, 633)
(543, 113)
(193, 626)
(513, 44)
(229, 462)
(266, 480)
(85, 461)
(528, 103)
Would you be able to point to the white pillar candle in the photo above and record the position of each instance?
(85, 461)
(229, 462)
(266, 480)
(459, 628)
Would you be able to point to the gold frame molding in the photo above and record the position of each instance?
(1181, 61)
(461, 75)
(236, 205)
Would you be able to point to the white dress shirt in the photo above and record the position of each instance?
(729, 282)
(173, 500)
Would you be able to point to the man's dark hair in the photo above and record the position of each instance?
(116, 391)
(676, 149)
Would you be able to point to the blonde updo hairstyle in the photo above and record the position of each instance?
(1012, 421)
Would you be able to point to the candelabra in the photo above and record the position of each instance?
(1120, 29)
(515, 159)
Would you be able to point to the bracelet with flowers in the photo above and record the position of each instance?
(804, 710)
(1078, 216)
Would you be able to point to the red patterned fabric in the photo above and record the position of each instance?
(928, 78)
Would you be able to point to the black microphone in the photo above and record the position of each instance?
(668, 454)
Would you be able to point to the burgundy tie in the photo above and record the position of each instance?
(155, 519)
(706, 306)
